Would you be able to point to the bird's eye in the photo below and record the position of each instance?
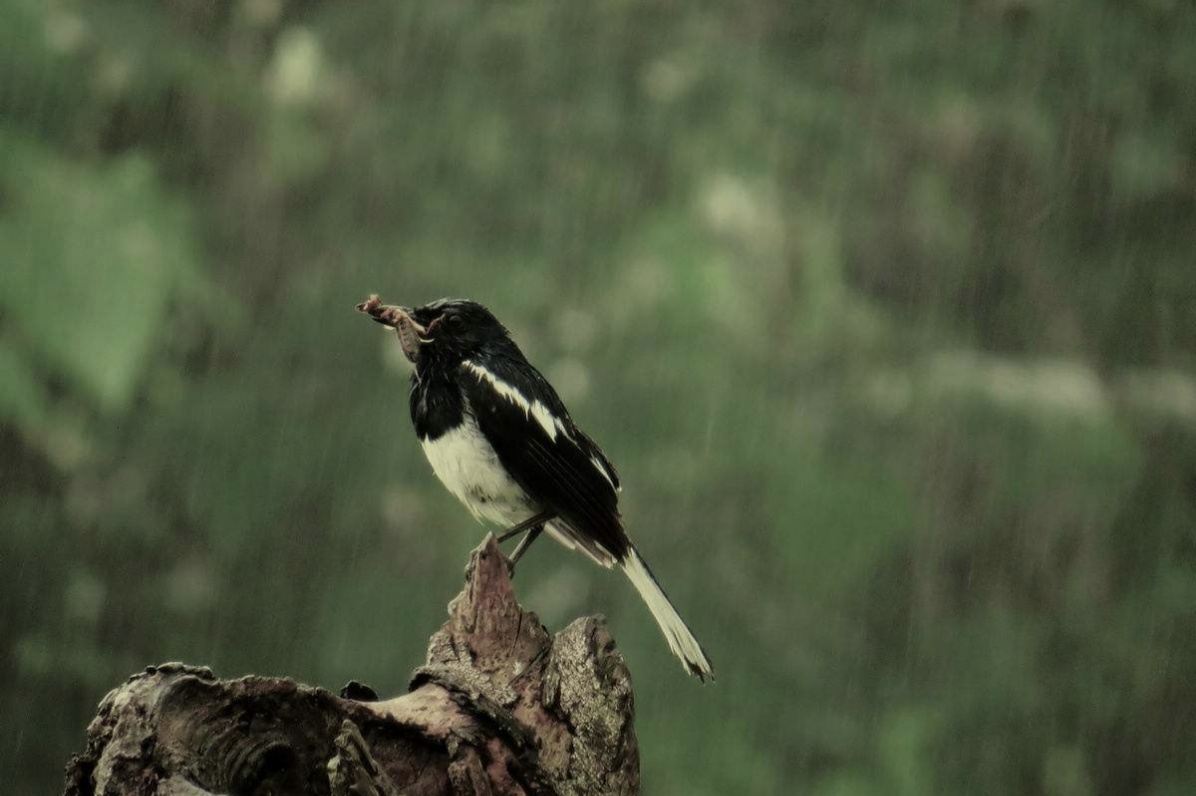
(454, 323)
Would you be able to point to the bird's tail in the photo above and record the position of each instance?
(681, 641)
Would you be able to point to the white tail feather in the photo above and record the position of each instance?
(681, 641)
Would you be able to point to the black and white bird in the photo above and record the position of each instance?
(498, 436)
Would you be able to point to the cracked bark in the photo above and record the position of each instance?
(500, 707)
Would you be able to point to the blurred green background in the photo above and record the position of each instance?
(885, 311)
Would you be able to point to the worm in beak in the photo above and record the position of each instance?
(411, 334)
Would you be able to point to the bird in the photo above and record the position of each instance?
(500, 439)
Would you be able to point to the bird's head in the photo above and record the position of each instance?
(444, 332)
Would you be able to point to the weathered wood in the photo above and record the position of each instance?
(500, 707)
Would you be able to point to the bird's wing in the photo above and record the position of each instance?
(539, 445)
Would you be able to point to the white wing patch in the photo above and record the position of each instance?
(549, 423)
(600, 467)
(534, 409)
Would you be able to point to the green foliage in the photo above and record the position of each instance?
(96, 257)
(885, 313)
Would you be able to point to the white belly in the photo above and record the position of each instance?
(467, 464)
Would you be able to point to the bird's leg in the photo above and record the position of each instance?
(530, 522)
(534, 526)
(523, 545)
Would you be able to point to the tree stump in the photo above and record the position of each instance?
(500, 707)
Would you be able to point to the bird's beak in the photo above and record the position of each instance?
(411, 334)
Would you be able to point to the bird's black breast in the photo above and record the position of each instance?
(437, 406)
